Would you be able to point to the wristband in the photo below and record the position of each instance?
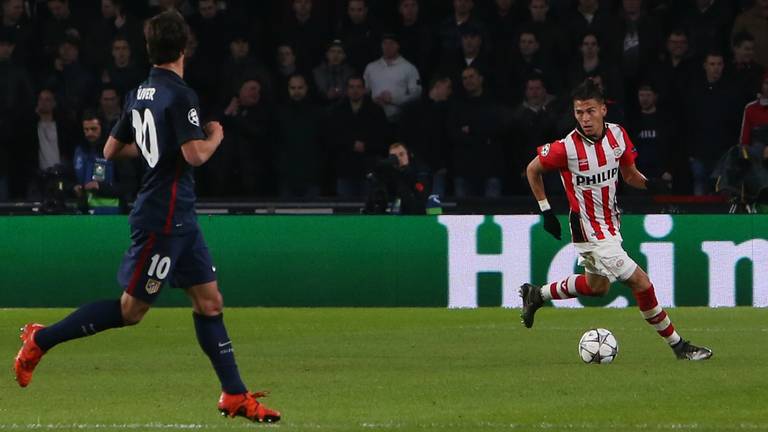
(544, 205)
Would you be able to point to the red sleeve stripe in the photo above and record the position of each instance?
(141, 263)
(589, 204)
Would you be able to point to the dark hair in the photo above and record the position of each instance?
(590, 33)
(678, 32)
(167, 35)
(355, 77)
(646, 86)
(587, 90)
(713, 53)
(106, 87)
(741, 37)
(438, 79)
(90, 114)
(298, 75)
(534, 77)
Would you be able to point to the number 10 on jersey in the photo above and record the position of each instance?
(146, 136)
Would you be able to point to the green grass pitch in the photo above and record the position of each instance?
(399, 370)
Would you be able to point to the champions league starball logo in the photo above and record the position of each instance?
(545, 150)
(192, 117)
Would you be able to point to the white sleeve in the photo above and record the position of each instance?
(413, 86)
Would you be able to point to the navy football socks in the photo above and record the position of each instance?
(88, 320)
(213, 339)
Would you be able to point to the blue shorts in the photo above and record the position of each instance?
(154, 258)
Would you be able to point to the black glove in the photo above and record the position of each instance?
(656, 186)
(551, 224)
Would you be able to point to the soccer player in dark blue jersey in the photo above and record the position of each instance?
(162, 125)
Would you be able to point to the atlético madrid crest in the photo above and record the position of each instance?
(153, 286)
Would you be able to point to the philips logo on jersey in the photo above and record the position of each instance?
(145, 93)
(600, 177)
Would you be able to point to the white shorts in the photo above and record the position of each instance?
(606, 258)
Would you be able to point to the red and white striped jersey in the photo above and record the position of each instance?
(590, 174)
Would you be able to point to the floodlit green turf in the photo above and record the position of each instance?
(400, 370)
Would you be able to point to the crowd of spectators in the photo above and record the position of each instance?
(312, 92)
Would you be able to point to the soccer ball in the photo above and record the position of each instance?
(598, 346)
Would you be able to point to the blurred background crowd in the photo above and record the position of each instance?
(311, 93)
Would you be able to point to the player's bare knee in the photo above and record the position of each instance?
(133, 310)
(639, 281)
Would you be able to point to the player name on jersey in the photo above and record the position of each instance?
(145, 93)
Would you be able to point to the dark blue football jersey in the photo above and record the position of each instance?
(159, 116)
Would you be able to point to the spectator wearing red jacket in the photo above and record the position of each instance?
(754, 126)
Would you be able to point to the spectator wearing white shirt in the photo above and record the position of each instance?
(392, 79)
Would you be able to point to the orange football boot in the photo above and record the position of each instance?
(246, 405)
(29, 355)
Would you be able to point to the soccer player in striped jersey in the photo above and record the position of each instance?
(589, 160)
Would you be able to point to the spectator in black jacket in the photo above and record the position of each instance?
(474, 127)
(416, 43)
(636, 45)
(449, 31)
(472, 54)
(423, 128)
(504, 22)
(287, 66)
(299, 146)
(671, 75)
(589, 17)
(239, 65)
(18, 26)
(244, 162)
(123, 72)
(360, 37)
(331, 76)
(651, 133)
(72, 81)
(61, 24)
(549, 33)
(305, 32)
(109, 107)
(712, 121)
(214, 26)
(592, 61)
(534, 120)
(527, 61)
(707, 24)
(114, 22)
(358, 132)
(743, 69)
(15, 99)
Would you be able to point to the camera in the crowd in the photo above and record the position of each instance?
(55, 187)
(397, 185)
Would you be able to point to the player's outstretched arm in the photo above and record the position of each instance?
(633, 177)
(534, 173)
(115, 149)
(197, 152)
